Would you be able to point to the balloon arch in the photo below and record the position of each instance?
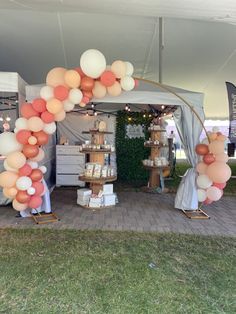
(22, 180)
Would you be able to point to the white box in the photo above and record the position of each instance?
(109, 199)
(107, 189)
(84, 192)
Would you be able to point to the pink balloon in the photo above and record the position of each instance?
(207, 201)
(220, 185)
(35, 201)
(216, 147)
(39, 105)
(201, 168)
(214, 193)
(218, 172)
(108, 78)
(40, 156)
(209, 158)
(25, 170)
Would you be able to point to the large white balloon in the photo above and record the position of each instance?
(202, 195)
(50, 128)
(75, 96)
(21, 124)
(23, 183)
(9, 144)
(129, 68)
(127, 83)
(46, 92)
(203, 181)
(68, 106)
(93, 63)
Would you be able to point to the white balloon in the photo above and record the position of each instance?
(9, 144)
(129, 68)
(215, 129)
(43, 169)
(127, 83)
(23, 183)
(93, 63)
(75, 96)
(50, 128)
(8, 168)
(46, 92)
(33, 164)
(203, 181)
(201, 195)
(68, 106)
(31, 191)
(16, 130)
(21, 124)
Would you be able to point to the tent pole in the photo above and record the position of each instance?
(161, 47)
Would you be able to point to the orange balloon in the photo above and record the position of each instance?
(36, 175)
(114, 90)
(22, 197)
(30, 151)
(8, 179)
(54, 106)
(16, 160)
(72, 78)
(60, 116)
(99, 90)
(87, 83)
(55, 77)
(10, 192)
(41, 137)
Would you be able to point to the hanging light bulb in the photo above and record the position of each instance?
(129, 109)
(162, 107)
(164, 114)
(95, 113)
(87, 113)
(144, 115)
(129, 118)
(92, 105)
(149, 115)
(126, 107)
(8, 118)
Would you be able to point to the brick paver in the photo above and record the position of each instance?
(136, 211)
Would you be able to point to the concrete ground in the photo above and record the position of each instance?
(136, 211)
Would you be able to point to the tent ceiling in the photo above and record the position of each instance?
(198, 54)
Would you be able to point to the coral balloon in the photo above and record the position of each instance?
(46, 92)
(36, 175)
(23, 183)
(213, 193)
(25, 170)
(99, 91)
(68, 106)
(119, 68)
(39, 105)
(9, 143)
(23, 136)
(61, 92)
(221, 186)
(114, 90)
(10, 192)
(209, 158)
(16, 160)
(93, 63)
(27, 111)
(47, 117)
(219, 172)
(127, 83)
(72, 78)
(108, 78)
(22, 197)
(39, 188)
(21, 123)
(85, 100)
(60, 116)
(30, 151)
(35, 201)
(54, 105)
(88, 94)
(32, 140)
(201, 149)
(50, 128)
(75, 96)
(40, 156)
(18, 206)
(8, 179)
(35, 124)
(203, 181)
(201, 195)
(201, 168)
(87, 83)
(223, 157)
(216, 147)
(56, 76)
(41, 137)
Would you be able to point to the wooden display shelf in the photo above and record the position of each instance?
(96, 132)
(90, 151)
(97, 180)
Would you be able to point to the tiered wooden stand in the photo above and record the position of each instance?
(154, 178)
(97, 156)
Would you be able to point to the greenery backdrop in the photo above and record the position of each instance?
(131, 152)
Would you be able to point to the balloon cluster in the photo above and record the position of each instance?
(22, 180)
(213, 171)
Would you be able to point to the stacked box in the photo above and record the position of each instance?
(83, 196)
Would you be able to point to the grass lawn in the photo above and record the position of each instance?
(61, 271)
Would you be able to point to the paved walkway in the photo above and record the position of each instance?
(136, 211)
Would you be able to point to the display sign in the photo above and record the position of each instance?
(134, 131)
(231, 88)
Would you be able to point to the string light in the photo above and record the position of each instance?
(150, 115)
(129, 118)
(162, 107)
(1, 118)
(144, 115)
(95, 113)
(87, 114)
(92, 105)
(8, 118)
(126, 107)
(129, 109)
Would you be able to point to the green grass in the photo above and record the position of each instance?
(61, 271)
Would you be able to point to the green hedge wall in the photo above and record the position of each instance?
(131, 152)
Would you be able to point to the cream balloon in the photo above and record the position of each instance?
(50, 128)
(32, 140)
(55, 77)
(99, 90)
(127, 83)
(118, 67)
(129, 68)
(82, 104)
(35, 124)
(93, 63)
(9, 144)
(8, 179)
(21, 124)
(114, 90)
(75, 96)
(23, 183)
(16, 160)
(72, 78)
(7, 167)
(54, 105)
(60, 116)
(10, 192)
(46, 92)
(68, 106)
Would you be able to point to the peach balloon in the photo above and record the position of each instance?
(56, 76)
(223, 157)
(114, 90)
(72, 78)
(10, 192)
(54, 106)
(16, 160)
(32, 140)
(60, 116)
(30, 151)
(99, 91)
(216, 147)
(35, 124)
(39, 157)
(218, 172)
(19, 206)
(201, 168)
(22, 197)
(118, 67)
(8, 179)
(36, 175)
(221, 138)
(7, 167)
